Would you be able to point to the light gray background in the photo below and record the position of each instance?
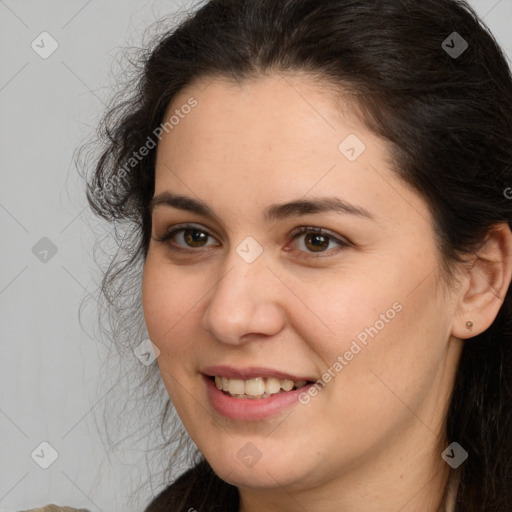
(49, 366)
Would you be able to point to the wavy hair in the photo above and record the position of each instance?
(448, 121)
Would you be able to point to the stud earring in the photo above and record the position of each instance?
(469, 324)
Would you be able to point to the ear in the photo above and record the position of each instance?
(485, 284)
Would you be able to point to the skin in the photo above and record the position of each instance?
(371, 440)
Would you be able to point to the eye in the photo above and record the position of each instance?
(192, 237)
(317, 240)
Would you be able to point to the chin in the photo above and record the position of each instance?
(270, 472)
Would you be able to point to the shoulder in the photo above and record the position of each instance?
(56, 508)
(199, 488)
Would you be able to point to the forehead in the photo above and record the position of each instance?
(272, 139)
(267, 110)
(277, 123)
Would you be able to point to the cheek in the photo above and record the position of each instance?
(340, 310)
(372, 327)
(168, 302)
(156, 299)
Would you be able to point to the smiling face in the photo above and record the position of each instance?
(240, 286)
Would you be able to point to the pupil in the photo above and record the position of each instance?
(192, 236)
(318, 238)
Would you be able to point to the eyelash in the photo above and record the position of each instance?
(295, 234)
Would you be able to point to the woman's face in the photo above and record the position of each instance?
(359, 308)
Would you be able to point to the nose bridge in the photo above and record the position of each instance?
(243, 301)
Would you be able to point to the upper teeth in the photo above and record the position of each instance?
(256, 387)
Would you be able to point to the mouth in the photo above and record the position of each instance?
(257, 387)
(248, 399)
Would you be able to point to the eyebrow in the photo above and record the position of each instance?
(273, 212)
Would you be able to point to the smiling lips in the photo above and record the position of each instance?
(251, 408)
(253, 382)
(256, 388)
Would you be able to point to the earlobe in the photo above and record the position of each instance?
(488, 280)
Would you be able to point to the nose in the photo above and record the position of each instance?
(245, 302)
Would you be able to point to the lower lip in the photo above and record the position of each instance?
(251, 409)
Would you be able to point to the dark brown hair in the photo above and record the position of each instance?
(448, 120)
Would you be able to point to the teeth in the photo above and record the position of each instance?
(236, 386)
(253, 387)
(257, 387)
(272, 386)
(287, 385)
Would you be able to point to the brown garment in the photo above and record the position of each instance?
(55, 508)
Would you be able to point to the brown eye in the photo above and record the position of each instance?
(194, 237)
(316, 241)
(186, 237)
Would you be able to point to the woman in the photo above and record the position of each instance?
(319, 192)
